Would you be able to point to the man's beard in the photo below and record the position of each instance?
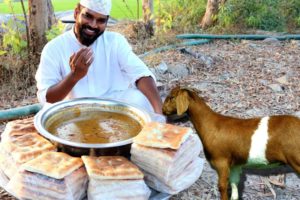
(85, 39)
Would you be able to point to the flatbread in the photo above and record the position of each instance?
(160, 135)
(26, 147)
(53, 164)
(7, 164)
(17, 128)
(111, 167)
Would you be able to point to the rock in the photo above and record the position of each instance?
(204, 59)
(276, 87)
(271, 40)
(283, 80)
(161, 68)
(160, 71)
(179, 70)
(201, 86)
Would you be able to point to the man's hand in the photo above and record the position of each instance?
(80, 62)
(148, 87)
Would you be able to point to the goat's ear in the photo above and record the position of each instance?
(182, 102)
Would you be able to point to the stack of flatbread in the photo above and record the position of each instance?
(168, 156)
(50, 176)
(113, 178)
(20, 143)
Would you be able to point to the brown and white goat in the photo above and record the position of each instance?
(232, 143)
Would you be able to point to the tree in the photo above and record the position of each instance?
(147, 6)
(41, 18)
(212, 9)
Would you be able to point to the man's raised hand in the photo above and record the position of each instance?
(80, 62)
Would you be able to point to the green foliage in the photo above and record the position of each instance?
(291, 11)
(272, 15)
(2, 52)
(12, 40)
(183, 14)
(55, 30)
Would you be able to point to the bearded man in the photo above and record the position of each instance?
(88, 61)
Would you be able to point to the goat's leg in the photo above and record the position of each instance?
(234, 180)
(222, 167)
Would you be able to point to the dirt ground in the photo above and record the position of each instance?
(237, 78)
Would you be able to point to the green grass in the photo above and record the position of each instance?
(120, 9)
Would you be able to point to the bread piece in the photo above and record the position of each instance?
(7, 163)
(168, 163)
(159, 135)
(53, 164)
(118, 189)
(30, 185)
(111, 167)
(26, 147)
(182, 181)
(17, 128)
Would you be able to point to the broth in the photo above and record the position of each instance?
(95, 127)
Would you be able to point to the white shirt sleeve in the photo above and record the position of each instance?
(48, 72)
(130, 63)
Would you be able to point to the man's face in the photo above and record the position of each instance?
(89, 25)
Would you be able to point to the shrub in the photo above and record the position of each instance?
(56, 29)
(271, 15)
(179, 14)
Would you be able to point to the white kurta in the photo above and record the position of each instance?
(113, 72)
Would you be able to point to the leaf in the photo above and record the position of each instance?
(2, 52)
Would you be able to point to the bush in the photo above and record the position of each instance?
(179, 14)
(271, 15)
(55, 30)
(234, 15)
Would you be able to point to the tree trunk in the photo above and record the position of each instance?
(40, 20)
(147, 13)
(212, 9)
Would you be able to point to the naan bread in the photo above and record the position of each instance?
(168, 163)
(17, 128)
(30, 185)
(7, 164)
(182, 181)
(160, 135)
(111, 167)
(53, 164)
(26, 147)
(3, 179)
(118, 189)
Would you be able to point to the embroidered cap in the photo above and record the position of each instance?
(100, 6)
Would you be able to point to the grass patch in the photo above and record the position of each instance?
(120, 9)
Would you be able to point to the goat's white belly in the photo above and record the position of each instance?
(259, 141)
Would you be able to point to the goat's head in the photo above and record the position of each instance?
(177, 102)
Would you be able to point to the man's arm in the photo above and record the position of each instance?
(79, 63)
(148, 87)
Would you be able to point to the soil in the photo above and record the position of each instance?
(237, 78)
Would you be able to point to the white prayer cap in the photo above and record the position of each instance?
(100, 6)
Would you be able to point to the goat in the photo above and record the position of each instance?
(231, 143)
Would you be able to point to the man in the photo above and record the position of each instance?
(88, 61)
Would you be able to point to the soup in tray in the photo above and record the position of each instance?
(95, 127)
